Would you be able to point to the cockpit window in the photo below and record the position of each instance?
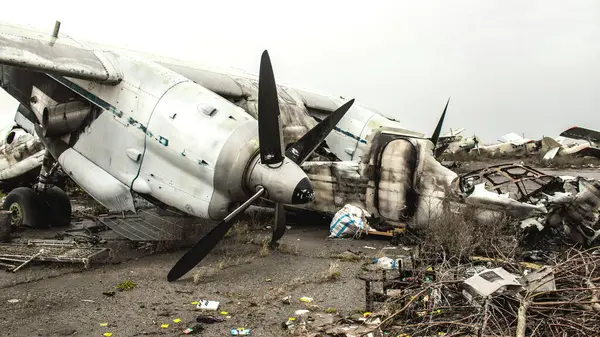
(10, 138)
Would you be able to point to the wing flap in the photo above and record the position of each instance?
(41, 52)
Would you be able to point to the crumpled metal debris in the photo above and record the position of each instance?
(536, 200)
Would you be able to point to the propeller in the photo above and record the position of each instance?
(271, 176)
(300, 151)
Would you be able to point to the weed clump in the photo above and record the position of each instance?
(126, 285)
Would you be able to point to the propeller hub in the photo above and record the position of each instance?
(286, 182)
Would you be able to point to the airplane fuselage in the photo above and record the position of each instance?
(160, 135)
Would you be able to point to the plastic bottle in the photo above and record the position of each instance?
(387, 263)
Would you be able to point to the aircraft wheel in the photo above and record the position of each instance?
(57, 207)
(5, 227)
(23, 205)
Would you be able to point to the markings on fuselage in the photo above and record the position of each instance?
(118, 113)
(344, 132)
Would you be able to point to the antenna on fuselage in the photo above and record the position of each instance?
(56, 29)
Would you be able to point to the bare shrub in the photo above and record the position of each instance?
(463, 234)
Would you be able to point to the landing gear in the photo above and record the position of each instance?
(54, 203)
(56, 206)
(24, 207)
(44, 205)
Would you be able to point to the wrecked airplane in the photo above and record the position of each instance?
(21, 153)
(401, 183)
(552, 148)
(122, 126)
(511, 145)
(196, 144)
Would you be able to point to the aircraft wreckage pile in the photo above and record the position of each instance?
(436, 296)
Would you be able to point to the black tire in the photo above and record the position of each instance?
(5, 227)
(24, 205)
(57, 207)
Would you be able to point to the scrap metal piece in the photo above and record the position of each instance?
(50, 250)
(146, 226)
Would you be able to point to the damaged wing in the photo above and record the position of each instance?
(42, 52)
(515, 139)
(577, 132)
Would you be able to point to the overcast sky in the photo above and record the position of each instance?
(529, 67)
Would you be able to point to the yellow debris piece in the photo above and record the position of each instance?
(306, 299)
(367, 314)
(103, 324)
(195, 303)
(224, 313)
(107, 334)
(177, 320)
(164, 326)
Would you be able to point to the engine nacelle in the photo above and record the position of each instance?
(64, 118)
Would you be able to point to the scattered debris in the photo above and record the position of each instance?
(14, 300)
(387, 263)
(350, 221)
(490, 281)
(25, 252)
(209, 319)
(198, 328)
(240, 332)
(207, 305)
(306, 299)
(482, 298)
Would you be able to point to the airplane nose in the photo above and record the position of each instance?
(303, 193)
(287, 183)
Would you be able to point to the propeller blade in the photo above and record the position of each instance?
(306, 145)
(438, 129)
(193, 256)
(280, 223)
(269, 129)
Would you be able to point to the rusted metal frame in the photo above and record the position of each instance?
(544, 188)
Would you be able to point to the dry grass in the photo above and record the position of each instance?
(348, 257)
(228, 262)
(203, 273)
(288, 249)
(333, 272)
(264, 247)
(461, 235)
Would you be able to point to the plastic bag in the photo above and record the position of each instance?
(350, 221)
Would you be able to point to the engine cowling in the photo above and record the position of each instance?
(64, 118)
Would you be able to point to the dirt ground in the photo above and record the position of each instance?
(247, 279)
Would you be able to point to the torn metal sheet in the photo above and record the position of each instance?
(488, 282)
(52, 251)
